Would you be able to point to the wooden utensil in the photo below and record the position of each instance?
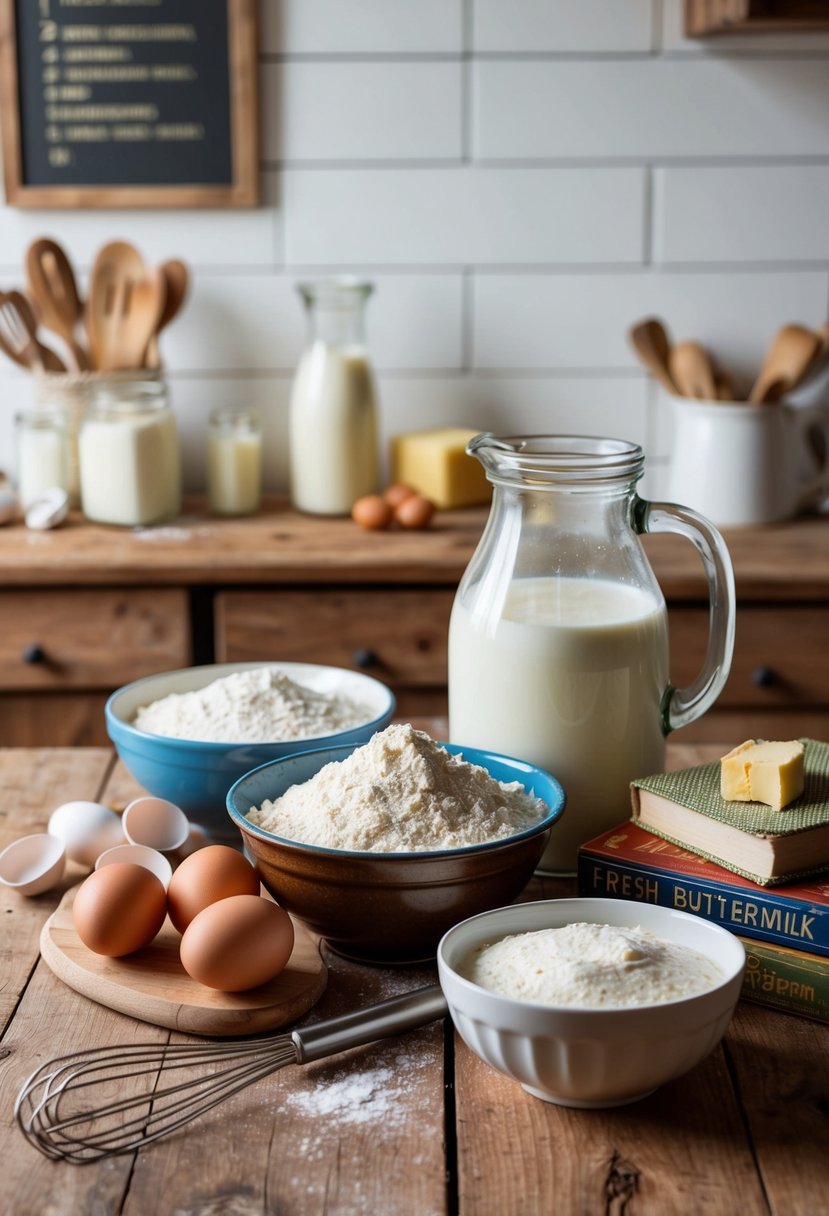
(54, 289)
(792, 350)
(126, 300)
(18, 335)
(177, 280)
(692, 371)
(152, 985)
(651, 342)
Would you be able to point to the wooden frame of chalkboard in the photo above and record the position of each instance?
(76, 145)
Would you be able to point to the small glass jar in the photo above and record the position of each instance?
(43, 457)
(234, 461)
(128, 454)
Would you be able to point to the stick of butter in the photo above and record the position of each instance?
(763, 772)
(435, 464)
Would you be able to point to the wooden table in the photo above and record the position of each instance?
(416, 1125)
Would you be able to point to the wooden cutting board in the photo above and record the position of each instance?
(152, 985)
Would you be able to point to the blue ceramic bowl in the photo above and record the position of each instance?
(196, 775)
(390, 907)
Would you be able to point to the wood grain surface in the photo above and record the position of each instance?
(152, 985)
(279, 545)
(416, 1126)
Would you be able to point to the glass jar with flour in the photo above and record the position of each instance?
(128, 453)
(334, 457)
(558, 639)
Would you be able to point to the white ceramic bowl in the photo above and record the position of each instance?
(590, 1057)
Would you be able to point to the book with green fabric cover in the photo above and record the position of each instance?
(764, 845)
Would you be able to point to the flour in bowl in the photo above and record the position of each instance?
(591, 966)
(260, 705)
(400, 793)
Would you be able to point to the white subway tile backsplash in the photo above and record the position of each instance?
(651, 108)
(238, 238)
(237, 322)
(518, 405)
(673, 37)
(313, 27)
(464, 216)
(590, 26)
(635, 172)
(582, 321)
(367, 111)
(749, 213)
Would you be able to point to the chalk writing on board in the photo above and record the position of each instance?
(117, 92)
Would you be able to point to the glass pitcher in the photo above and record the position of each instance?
(334, 457)
(558, 638)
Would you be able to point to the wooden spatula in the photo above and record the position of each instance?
(792, 350)
(692, 371)
(126, 300)
(653, 346)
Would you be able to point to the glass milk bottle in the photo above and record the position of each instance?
(128, 454)
(234, 461)
(43, 453)
(333, 412)
(558, 638)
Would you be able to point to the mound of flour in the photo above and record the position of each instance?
(261, 705)
(400, 793)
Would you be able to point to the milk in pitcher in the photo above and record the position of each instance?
(570, 677)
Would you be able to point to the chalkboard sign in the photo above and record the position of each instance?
(128, 103)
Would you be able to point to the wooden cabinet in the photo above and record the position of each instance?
(398, 635)
(77, 645)
(89, 608)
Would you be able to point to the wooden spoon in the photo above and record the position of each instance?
(651, 342)
(177, 279)
(692, 371)
(18, 335)
(54, 289)
(792, 350)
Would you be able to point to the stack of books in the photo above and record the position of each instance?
(760, 873)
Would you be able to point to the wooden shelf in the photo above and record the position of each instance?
(704, 18)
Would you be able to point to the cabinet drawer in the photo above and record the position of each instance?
(94, 638)
(400, 636)
(781, 660)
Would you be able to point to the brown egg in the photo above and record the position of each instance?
(415, 512)
(397, 493)
(119, 908)
(372, 512)
(205, 877)
(237, 943)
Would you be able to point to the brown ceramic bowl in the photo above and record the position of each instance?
(389, 907)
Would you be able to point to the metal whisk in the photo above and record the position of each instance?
(56, 1108)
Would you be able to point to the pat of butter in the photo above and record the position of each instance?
(763, 772)
(435, 464)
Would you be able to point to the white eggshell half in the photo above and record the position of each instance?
(139, 855)
(33, 864)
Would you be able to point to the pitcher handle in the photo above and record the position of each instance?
(683, 705)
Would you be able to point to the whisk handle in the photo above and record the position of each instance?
(382, 1021)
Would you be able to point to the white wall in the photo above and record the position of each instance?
(522, 179)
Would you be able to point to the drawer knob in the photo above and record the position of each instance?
(365, 657)
(34, 653)
(764, 677)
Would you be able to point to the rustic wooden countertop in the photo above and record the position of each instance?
(789, 561)
(414, 1126)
